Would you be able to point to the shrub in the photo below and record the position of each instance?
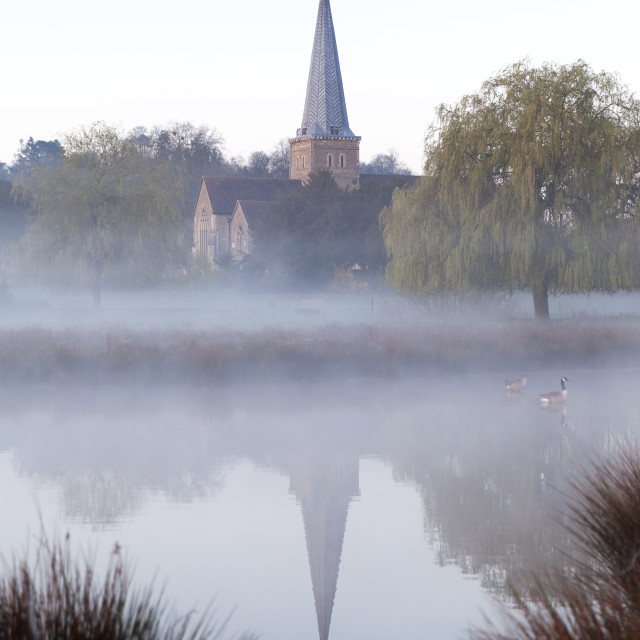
(56, 597)
(599, 596)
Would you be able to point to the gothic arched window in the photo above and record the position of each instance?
(241, 240)
(204, 233)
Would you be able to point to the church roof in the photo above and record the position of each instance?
(325, 109)
(388, 179)
(254, 209)
(225, 192)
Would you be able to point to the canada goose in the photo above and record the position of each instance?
(553, 397)
(515, 384)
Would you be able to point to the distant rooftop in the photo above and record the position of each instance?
(224, 192)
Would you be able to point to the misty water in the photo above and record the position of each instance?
(342, 508)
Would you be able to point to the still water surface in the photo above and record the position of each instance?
(371, 509)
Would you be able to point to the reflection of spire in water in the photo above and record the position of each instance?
(324, 485)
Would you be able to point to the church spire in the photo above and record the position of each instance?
(325, 141)
(325, 109)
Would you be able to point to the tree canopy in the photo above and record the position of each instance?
(104, 206)
(530, 184)
(36, 152)
(385, 164)
(319, 228)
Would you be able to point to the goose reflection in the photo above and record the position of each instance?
(554, 407)
(514, 396)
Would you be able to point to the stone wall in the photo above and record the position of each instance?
(339, 155)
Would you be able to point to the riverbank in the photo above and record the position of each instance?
(221, 356)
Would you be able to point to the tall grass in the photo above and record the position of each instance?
(42, 355)
(54, 597)
(597, 598)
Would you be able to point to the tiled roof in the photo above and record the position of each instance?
(255, 209)
(325, 109)
(225, 192)
(381, 179)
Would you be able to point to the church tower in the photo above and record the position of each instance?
(325, 141)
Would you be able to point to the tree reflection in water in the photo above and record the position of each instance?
(495, 478)
(492, 472)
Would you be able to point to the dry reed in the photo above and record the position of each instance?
(225, 356)
(55, 597)
(597, 598)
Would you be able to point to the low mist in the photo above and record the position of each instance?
(209, 334)
(234, 443)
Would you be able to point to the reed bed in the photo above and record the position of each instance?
(38, 354)
(597, 598)
(54, 596)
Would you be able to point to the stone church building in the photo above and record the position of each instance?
(226, 207)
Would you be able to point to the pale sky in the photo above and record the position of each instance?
(241, 66)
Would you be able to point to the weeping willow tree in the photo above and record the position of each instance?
(530, 184)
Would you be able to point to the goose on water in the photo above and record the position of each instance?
(515, 384)
(554, 397)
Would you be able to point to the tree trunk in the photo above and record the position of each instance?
(541, 302)
(96, 287)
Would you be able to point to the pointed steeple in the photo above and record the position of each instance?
(325, 142)
(325, 109)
